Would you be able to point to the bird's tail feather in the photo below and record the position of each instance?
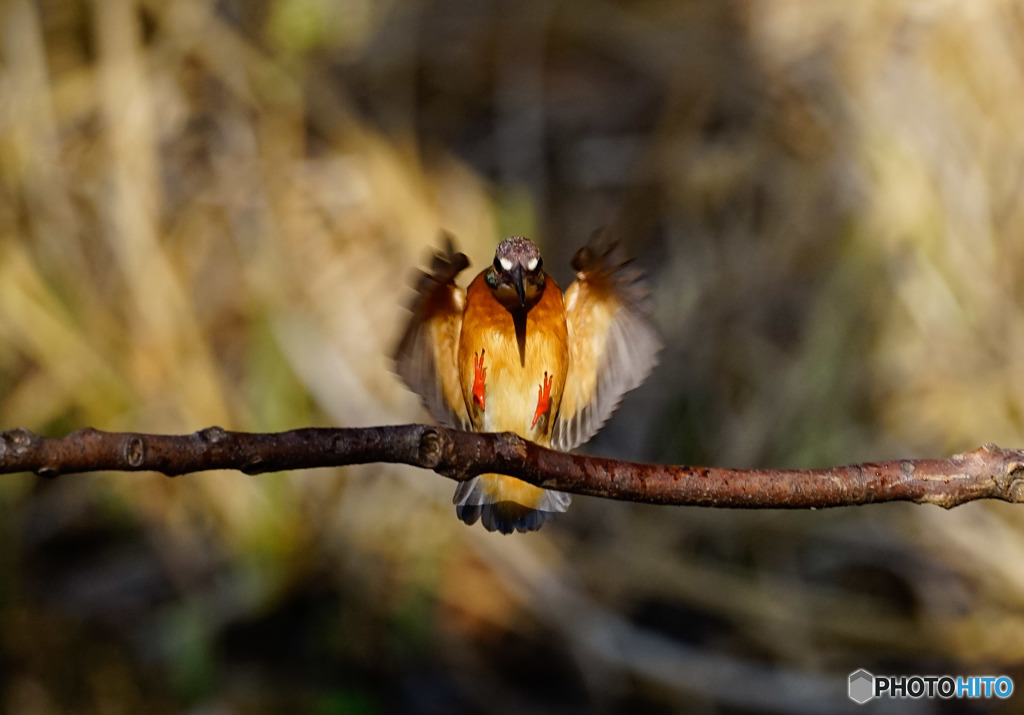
(507, 504)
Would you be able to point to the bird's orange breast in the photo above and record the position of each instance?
(515, 360)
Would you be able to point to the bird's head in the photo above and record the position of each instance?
(517, 276)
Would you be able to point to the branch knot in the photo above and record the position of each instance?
(432, 448)
(18, 441)
(1015, 482)
(135, 451)
(213, 435)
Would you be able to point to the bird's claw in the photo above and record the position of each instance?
(479, 375)
(543, 399)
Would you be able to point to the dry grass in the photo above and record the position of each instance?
(210, 217)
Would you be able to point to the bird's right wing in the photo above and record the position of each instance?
(426, 355)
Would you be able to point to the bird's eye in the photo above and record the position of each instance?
(497, 264)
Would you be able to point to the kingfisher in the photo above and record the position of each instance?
(513, 353)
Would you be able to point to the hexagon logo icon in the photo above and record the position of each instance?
(862, 686)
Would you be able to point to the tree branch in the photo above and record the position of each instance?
(988, 472)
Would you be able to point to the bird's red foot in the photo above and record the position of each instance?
(479, 375)
(543, 399)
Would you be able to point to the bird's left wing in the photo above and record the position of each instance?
(426, 355)
(612, 344)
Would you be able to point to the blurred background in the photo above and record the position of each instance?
(211, 212)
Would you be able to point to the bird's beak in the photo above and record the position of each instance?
(517, 279)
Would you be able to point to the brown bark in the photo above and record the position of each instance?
(988, 472)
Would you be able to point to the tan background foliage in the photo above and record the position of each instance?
(209, 214)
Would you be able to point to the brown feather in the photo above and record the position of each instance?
(612, 344)
(425, 355)
(512, 382)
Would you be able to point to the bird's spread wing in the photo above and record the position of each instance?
(426, 355)
(612, 344)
